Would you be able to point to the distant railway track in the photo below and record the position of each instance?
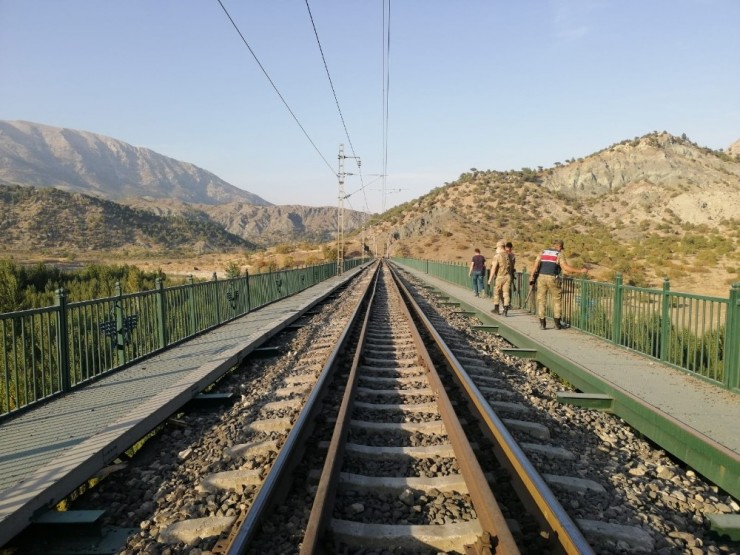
(317, 436)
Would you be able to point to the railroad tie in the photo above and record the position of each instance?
(189, 531)
(444, 537)
(634, 536)
(253, 449)
(231, 480)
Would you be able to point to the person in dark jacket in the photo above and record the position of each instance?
(476, 271)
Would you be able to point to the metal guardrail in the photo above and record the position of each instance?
(51, 350)
(695, 333)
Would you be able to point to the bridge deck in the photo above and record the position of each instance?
(46, 452)
(695, 420)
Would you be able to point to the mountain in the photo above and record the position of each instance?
(77, 161)
(264, 225)
(44, 156)
(651, 207)
(55, 220)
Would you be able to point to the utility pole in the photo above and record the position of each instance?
(340, 214)
(340, 209)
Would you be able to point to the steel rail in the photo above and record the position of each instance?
(492, 521)
(323, 504)
(278, 477)
(489, 513)
(531, 486)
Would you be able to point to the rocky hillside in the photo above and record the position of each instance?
(56, 221)
(263, 225)
(43, 156)
(284, 223)
(653, 207)
(734, 149)
(697, 184)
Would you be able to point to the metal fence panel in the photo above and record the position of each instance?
(695, 333)
(47, 351)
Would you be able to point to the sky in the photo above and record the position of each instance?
(423, 90)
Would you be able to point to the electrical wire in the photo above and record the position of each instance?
(336, 100)
(386, 91)
(244, 40)
(331, 83)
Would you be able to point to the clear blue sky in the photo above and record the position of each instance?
(490, 84)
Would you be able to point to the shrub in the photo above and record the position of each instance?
(284, 248)
(233, 270)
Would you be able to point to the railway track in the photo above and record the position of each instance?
(344, 443)
(399, 472)
(395, 413)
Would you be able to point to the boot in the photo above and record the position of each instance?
(506, 310)
(558, 325)
(543, 323)
(495, 309)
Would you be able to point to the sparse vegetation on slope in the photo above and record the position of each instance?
(54, 220)
(683, 224)
(650, 207)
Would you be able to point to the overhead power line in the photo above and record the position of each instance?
(244, 40)
(331, 83)
(336, 100)
(386, 89)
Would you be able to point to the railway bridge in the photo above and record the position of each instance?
(677, 385)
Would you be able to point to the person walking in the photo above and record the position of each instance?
(501, 273)
(546, 273)
(512, 268)
(476, 271)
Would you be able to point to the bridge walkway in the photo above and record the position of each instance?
(696, 421)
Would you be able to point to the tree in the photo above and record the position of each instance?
(135, 280)
(233, 270)
(11, 295)
(329, 252)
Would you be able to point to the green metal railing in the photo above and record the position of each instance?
(695, 333)
(47, 351)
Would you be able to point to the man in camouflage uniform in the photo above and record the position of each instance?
(501, 272)
(546, 272)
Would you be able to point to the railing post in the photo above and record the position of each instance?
(583, 309)
(191, 303)
(60, 297)
(271, 286)
(732, 340)
(665, 321)
(120, 337)
(617, 316)
(216, 298)
(161, 313)
(279, 283)
(249, 292)
(524, 286)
